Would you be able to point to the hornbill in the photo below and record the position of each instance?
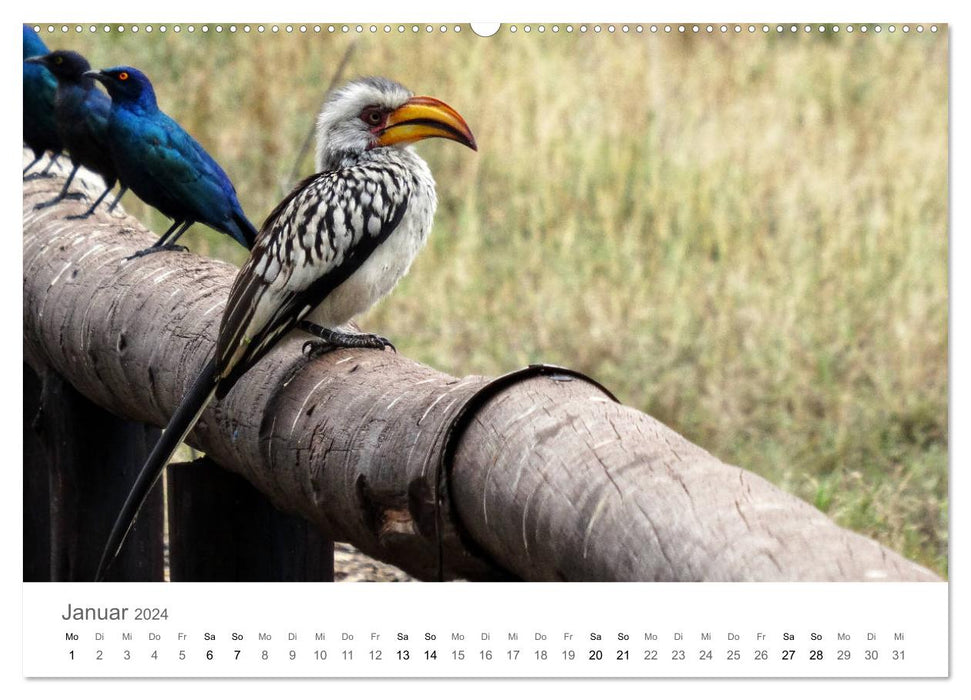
(335, 245)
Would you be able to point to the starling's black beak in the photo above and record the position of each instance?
(97, 75)
(36, 59)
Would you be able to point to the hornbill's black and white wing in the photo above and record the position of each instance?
(319, 236)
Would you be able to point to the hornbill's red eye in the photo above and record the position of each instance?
(373, 116)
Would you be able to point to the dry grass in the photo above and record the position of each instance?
(744, 236)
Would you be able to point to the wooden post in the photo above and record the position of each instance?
(78, 462)
(222, 529)
(37, 489)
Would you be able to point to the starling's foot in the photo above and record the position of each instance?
(157, 249)
(85, 215)
(38, 176)
(52, 202)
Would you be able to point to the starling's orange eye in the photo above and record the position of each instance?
(123, 76)
(59, 60)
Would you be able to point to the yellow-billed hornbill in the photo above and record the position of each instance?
(334, 246)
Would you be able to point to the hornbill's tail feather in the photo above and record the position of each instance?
(182, 421)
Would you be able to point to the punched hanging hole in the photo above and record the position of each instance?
(485, 28)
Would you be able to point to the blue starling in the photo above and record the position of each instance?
(40, 132)
(164, 165)
(81, 114)
(333, 247)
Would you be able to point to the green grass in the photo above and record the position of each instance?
(743, 236)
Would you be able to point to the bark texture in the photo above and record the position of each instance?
(543, 477)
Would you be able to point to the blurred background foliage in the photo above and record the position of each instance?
(745, 236)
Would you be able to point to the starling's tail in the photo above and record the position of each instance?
(243, 230)
(182, 421)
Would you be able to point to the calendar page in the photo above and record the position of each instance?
(373, 349)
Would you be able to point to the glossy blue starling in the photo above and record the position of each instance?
(164, 165)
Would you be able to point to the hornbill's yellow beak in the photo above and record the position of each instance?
(424, 118)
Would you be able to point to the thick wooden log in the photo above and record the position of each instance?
(543, 477)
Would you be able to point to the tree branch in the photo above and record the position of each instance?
(544, 477)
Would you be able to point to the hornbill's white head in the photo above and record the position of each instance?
(376, 112)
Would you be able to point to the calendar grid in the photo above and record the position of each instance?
(486, 630)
